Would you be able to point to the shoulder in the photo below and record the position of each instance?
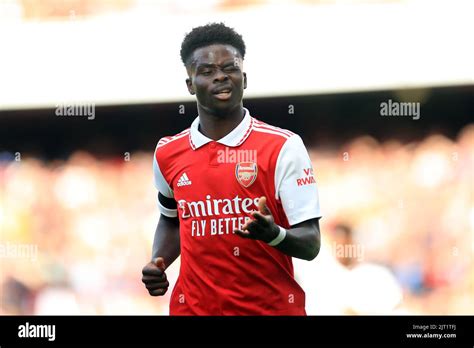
(167, 140)
(168, 145)
(270, 131)
(277, 138)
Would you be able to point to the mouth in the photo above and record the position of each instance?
(222, 93)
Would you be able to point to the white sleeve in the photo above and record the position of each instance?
(163, 188)
(295, 184)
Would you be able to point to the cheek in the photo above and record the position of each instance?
(238, 81)
(239, 86)
(202, 93)
(200, 87)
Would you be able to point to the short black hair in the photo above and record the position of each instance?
(209, 34)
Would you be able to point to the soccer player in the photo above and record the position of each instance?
(237, 196)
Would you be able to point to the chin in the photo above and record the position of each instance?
(223, 110)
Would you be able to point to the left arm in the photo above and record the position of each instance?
(303, 240)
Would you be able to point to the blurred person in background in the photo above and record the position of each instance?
(351, 284)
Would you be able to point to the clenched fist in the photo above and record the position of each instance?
(154, 277)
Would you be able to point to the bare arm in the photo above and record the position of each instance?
(303, 240)
(166, 241)
(166, 249)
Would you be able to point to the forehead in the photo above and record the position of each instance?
(214, 54)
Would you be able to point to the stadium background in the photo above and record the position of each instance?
(80, 191)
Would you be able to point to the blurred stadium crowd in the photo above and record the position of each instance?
(407, 209)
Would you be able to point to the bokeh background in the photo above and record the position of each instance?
(77, 202)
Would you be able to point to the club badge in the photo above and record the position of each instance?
(246, 173)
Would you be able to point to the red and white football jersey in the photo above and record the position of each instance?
(216, 186)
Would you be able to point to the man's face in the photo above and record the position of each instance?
(216, 77)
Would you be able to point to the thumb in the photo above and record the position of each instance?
(160, 263)
(262, 206)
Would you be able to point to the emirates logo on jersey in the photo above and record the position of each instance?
(246, 173)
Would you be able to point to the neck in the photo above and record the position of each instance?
(217, 126)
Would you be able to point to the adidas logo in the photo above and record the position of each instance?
(184, 180)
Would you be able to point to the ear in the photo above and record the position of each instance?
(245, 80)
(189, 84)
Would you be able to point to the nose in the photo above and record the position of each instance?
(220, 76)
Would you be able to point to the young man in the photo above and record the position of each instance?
(237, 196)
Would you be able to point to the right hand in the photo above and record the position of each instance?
(154, 277)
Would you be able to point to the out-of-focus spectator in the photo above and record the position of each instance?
(344, 283)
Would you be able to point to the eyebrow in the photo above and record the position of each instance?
(209, 65)
(205, 65)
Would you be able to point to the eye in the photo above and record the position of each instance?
(231, 68)
(206, 72)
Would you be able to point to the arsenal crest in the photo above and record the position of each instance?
(246, 173)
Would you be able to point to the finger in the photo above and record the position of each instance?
(163, 285)
(262, 220)
(242, 234)
(262, 206)
(160, 263)
(154, 279)
(157, 292)
(246, 224)
(255, 228)
(152, 270)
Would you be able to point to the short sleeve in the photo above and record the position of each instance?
(295, 183)
(166, 201)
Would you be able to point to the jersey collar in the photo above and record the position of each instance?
(235, 138)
